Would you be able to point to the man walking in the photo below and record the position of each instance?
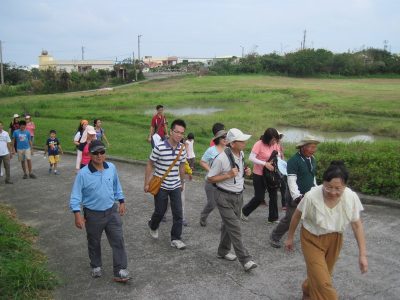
(162, 157)
(23, 141)
(227, 174)
(158, 127)
(6, 150)
(96, 188)
(301, 169)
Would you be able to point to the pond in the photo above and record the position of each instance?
(294, 135)
(185, 111)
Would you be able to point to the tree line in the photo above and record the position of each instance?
(313, 62)
(19, 80)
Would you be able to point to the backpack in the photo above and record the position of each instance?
(273, 178)
(232, 162)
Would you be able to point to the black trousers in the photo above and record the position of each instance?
(259, 195)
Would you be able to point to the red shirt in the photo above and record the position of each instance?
(158, 123)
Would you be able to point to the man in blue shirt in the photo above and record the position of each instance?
(96, 188)
(22, 140)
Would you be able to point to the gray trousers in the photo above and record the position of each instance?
(210, 205)
(283, 225)
(110, 222)
(229, 207)
(6, 161)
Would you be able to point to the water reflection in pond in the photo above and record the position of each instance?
(294, 135)
(185, 111)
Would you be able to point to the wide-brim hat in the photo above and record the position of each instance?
(235, 134)
(16, 115)
(96, 146)
(219, 134)
(308, 139)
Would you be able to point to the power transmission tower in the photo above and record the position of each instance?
(1, 64)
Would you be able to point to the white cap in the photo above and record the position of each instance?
(235, 134)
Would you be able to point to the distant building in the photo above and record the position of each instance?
(47, 61)
(154, 62)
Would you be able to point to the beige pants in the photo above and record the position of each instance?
(320, 254)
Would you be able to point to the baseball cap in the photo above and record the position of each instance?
(90, 130)
(235, 134)
(96, 145)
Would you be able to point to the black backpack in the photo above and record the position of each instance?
(229, 154)
(273, 178)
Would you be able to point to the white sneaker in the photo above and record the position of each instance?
(123, 276)
(249, 265)
(96, 272)
(178, 244)
(154, 233)
(229, 256)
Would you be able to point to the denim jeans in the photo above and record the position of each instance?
(160, 207)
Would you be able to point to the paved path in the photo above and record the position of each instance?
(160, 272)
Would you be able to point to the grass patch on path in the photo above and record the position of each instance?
(23, 273)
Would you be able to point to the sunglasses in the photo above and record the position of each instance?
(102, 152)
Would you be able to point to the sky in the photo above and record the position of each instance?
(188, 28)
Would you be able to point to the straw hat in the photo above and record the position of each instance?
(308, 139)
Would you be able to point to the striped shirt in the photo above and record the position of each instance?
(163, 155)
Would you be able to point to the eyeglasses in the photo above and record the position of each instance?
(102, 152)
(334, 190)
(178, 132)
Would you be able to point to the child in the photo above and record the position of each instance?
(189, 143)
(52, 148)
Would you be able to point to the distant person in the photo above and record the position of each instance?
(301, 170)
(31, 127)
(100, 211)
(162, 157)
(158, 125)
(206, 162)
(22, 137)
(261, 156)
(6, 150)
(100, 131)
(189, 143)
(325, 212)
(84, 156)
(215, 128)
(53, 149)
(14, 125)
(77, 141)
(227, 173)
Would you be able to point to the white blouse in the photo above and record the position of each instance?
(319, 219)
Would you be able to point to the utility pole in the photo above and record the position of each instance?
(385, 45)
(304, 40)
(138, 45)
(134, 65)
(1, 64)
(242, 51)
(83, 53)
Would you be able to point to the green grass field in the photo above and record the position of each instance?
(249, 102)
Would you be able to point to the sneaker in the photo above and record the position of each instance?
(9, 182)
(185, 223)
(96, 272)
(25, 176)
(50, 171)
(154, 233)
(249, 265)
(275, 244)
(203, 223)
(56, 172)
(243, 217)
(273, 222)
(123, 276)
(178, 244)
(33, 176)
(229, 256)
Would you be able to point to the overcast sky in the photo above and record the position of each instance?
(201, 28)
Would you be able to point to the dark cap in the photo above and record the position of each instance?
(96, 145)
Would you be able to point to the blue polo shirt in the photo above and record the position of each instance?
(96, 190)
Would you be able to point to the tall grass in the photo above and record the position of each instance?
(23, 273)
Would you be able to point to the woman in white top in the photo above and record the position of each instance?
(325, 211)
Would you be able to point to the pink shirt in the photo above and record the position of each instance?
(85, 155)
(31, 128)
(263, 152)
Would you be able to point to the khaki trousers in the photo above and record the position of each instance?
(320, 254)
